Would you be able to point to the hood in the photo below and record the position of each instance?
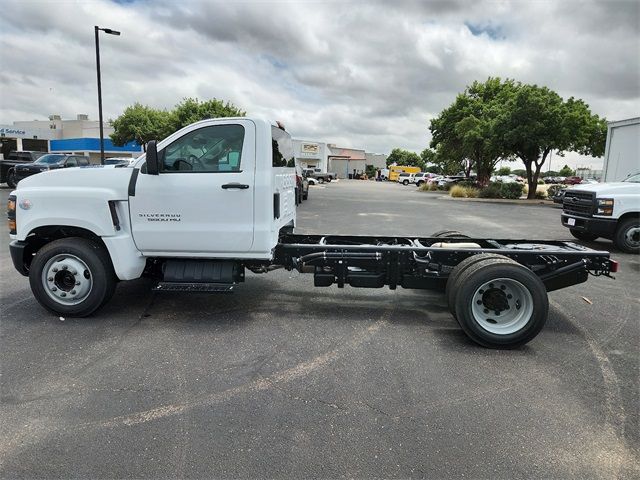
(114, 179)
(606, 188)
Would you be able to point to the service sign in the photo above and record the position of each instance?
(310, 149)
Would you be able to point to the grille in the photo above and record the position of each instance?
(578, 203)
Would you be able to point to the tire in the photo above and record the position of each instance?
(584, 236)
(320, 180)
(448, 234)
(405, 182)
(627, 237)
(11, 179)
(419, 184)
(329, 179)
(458, 271)
(59, 285)
(517, 294)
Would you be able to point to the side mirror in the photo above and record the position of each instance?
(153, 168)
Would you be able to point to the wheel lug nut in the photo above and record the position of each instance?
(73, 292)
(73, 272)
(55, 269)
(486, 310)
(64, 267)
(480, 292)
(497, 312)
(502, 287)
(479, 302)
(63, 294)
(50, 279)
(509, 296)
(77, 283)
(54, 289)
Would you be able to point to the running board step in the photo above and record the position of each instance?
(196, 287)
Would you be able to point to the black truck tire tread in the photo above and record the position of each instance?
(97, 259)
(484, 271)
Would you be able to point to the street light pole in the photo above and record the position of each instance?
(110, 32)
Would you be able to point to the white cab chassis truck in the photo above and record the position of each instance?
(216, 199)
(607, 210)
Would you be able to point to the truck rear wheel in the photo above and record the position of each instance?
(456, 273)
(501, 304)
(627, 237)
(320, 180)
(72, 277)
(448, 234)
(581, 235)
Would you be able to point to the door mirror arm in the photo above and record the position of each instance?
(153, 168)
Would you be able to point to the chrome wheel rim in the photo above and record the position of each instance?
(502, 306)
(67, 279)
(632, 236)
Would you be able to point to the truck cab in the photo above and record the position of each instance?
(216, 189)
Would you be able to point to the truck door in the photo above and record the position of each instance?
(202, 201)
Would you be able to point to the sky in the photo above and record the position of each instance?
(360, 74)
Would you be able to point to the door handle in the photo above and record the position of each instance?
(240, 186)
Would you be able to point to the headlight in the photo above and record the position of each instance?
(605, 206)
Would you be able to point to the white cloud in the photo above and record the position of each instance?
(367, 75)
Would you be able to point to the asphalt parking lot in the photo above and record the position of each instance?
(285, 380)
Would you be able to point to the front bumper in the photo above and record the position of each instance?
(19, 255)
(603, 227)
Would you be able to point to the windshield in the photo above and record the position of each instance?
(49, 159)
(633, 178)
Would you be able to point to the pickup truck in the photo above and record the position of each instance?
(7, 166)
(607, 210)
(216, 199)
(319, 175)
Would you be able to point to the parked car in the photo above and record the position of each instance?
(511, 178)
(302, 186)
(118, 161)
(435, 179)
(7, 166)
(589, 181)
(50, 161)
(420, 178)
(405, 178)
(320, 175)
(572, 180)
(453, 179)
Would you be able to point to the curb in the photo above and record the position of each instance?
(501, 200)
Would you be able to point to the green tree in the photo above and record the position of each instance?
(548, 173)
(503, 171)
(405, 157)
(535, 120)
(566, 171)
(191, 110)
(140, 123)
(465, 131)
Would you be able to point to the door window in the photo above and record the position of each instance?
(217, 148)
(71, 162)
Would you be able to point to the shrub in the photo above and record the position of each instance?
(467, 183)
(541, 194)
(458, 192)
(433, 187)
(491, 191)
(511, 190)
(553, 190)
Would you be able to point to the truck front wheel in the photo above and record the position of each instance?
(72, 277)
(320, 180)
(627, 236)
(501, 304)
